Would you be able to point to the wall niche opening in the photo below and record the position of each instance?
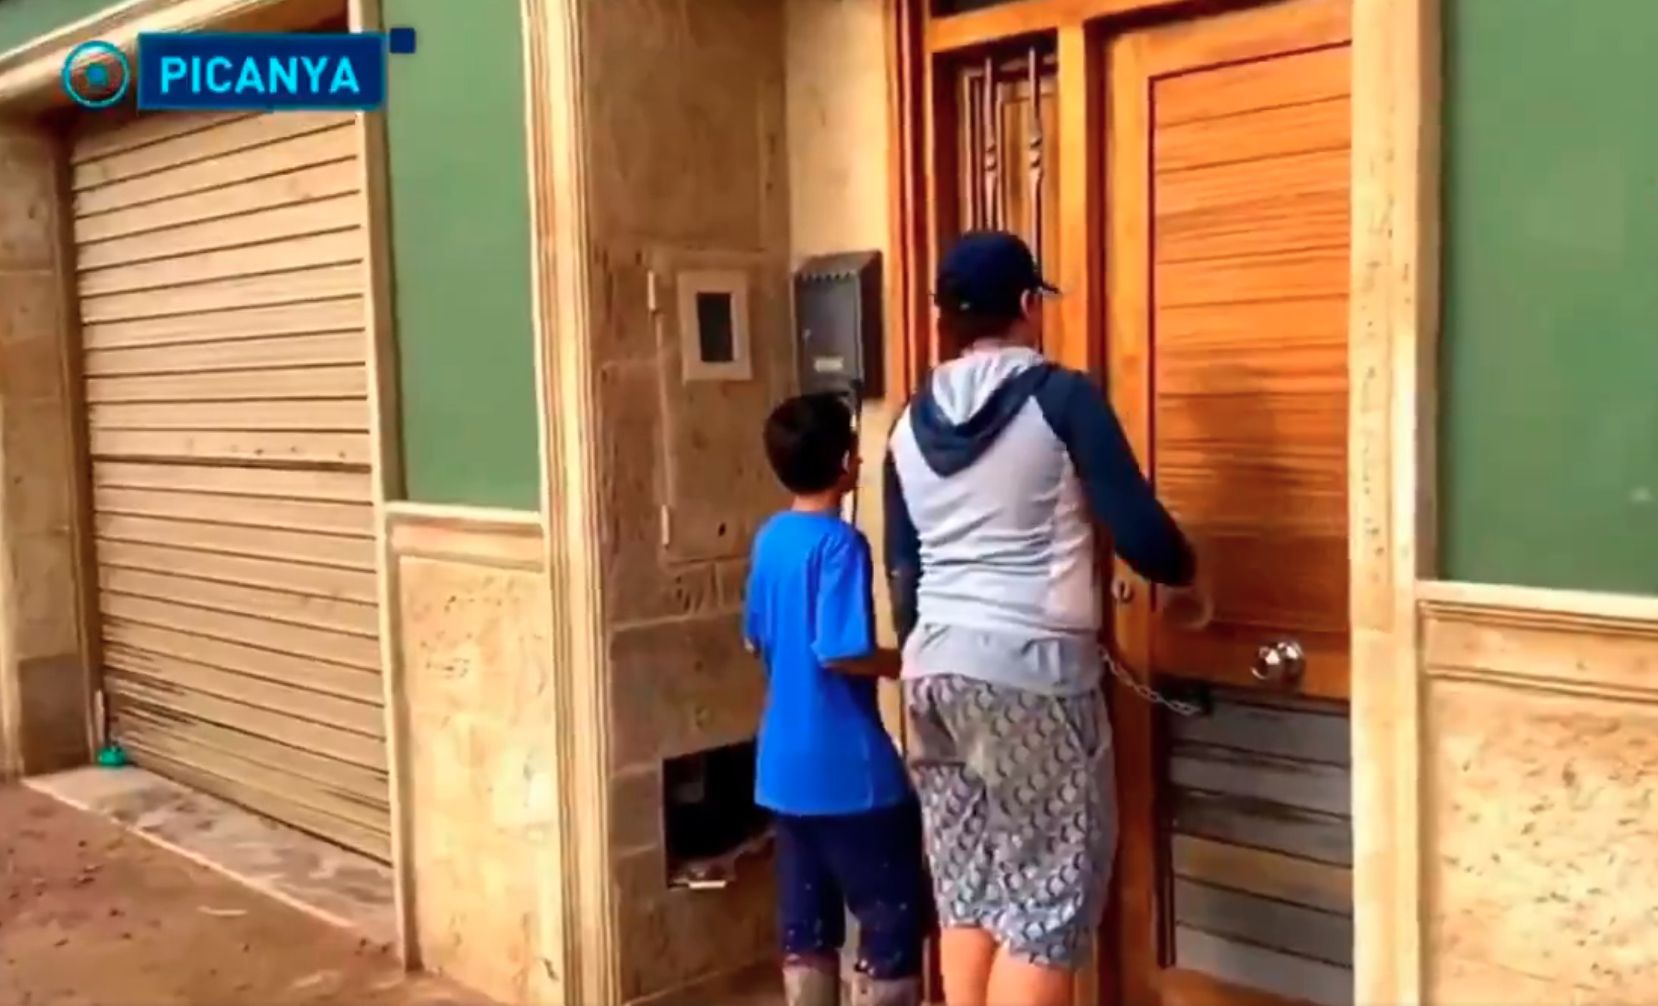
(710, 819)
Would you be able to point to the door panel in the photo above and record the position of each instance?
(1248, 187)
(1255, 86)
(1227, 228)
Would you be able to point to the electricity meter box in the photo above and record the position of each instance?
(837, 304)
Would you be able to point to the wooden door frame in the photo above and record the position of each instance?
(1393, 335)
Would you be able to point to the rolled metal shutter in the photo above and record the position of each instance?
(222, 299)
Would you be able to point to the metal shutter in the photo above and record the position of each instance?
(221, 288)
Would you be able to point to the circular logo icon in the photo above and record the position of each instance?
(96, 74)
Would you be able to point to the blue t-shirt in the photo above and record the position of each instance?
(823, 749)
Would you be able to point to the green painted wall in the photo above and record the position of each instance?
(461, 253)
(21, 20)
(1549, 370)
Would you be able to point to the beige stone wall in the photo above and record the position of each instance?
(45, 712)
(1540, 807)
(687, 129)
(478, 769)
(729, 134)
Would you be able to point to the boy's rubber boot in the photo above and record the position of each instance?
(867, 991)
(810, 984)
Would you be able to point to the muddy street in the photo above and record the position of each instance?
(91, 914)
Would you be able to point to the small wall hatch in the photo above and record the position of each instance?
(709, 815)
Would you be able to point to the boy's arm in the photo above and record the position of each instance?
(844, 623)
(903, 550)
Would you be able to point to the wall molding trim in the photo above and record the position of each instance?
(1393, 332)
(1541, 608)
(504, 539)
(1553, 685)
(1589, 645)
(579, 920)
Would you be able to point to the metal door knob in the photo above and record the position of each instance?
(1279, 663)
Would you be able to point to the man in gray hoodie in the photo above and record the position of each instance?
(996, 473)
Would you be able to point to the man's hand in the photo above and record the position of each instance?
(1190, 608)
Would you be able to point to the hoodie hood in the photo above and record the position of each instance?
(968, 402)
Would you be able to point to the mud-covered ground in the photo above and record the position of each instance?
(90, 914)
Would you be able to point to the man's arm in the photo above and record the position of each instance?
(903, 548)
(1142, 532)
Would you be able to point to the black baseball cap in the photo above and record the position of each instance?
(988, 273)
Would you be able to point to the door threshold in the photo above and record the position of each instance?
(335, 885)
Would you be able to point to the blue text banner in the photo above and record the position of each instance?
(230, 71)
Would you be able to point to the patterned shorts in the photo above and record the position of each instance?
(1019, 809)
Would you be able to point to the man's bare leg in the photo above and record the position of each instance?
(965, 956)
(1015, 982)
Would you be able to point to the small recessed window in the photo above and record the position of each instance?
(714, 326)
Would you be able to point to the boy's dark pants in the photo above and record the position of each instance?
(871, 863)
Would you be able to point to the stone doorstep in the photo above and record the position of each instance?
(338, 887)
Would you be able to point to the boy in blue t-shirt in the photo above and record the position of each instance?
(847, 823)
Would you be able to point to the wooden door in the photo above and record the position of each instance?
(1226, 246)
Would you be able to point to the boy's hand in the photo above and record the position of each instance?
(880, 663)
(889, 663)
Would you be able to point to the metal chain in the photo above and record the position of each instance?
(1145, 691)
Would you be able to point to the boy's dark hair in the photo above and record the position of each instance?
(808, 438)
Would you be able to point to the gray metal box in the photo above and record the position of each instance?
(838, 322)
